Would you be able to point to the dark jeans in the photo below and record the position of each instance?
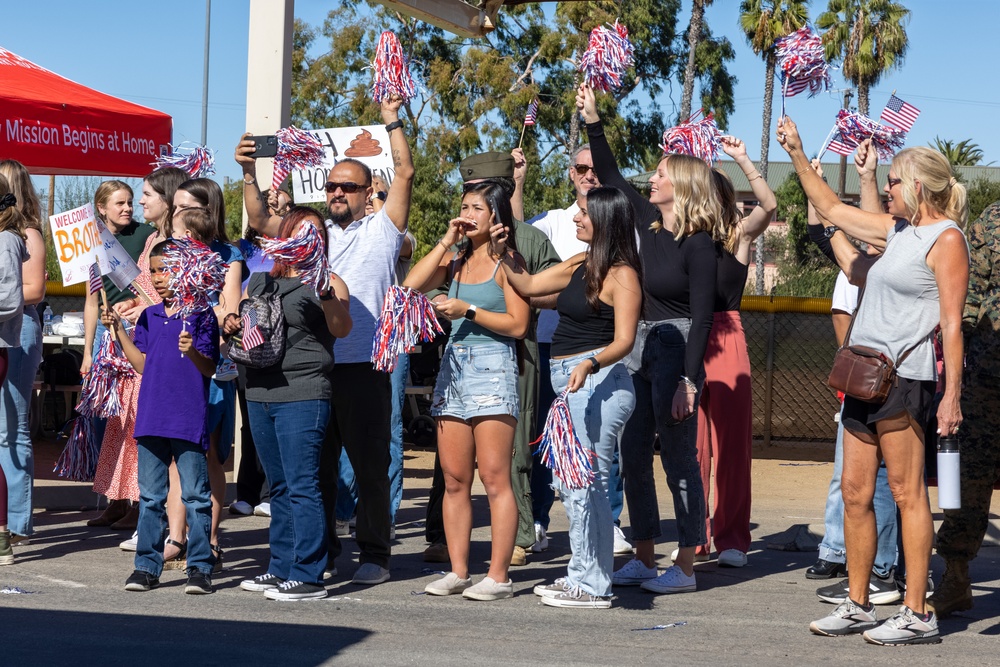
(359, 421)
(251, 482)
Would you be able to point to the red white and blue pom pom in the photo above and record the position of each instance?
(855, 128)
(78, 460)
(304, 252)
(700, 139)
(561, 450)
(802, 63)
(391, 71)
(196, 274)
(297, 149)
(407, 319)
(100, 393)
(608, 56)
(195, 160)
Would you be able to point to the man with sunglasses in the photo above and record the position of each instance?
(363, 250)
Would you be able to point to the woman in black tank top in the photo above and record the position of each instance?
(725, 433)
(600, 302)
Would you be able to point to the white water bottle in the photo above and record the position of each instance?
(47, 321)
(948, 473)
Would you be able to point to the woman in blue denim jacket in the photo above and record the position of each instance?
(600, 302)
(475, 399)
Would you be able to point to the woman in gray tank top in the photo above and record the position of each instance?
(920, 283)
(475, 398)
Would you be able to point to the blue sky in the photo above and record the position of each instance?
(151, 54)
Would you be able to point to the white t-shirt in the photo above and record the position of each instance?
(558, 225)
(845, 295)
(364, 255)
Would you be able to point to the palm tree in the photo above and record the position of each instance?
(763, 22)
(965, 153)
(694, 36)
(868, 36)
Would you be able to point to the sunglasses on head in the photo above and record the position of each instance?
(348, 187)
(582, 169)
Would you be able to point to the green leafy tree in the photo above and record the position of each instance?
(764, 22)
(982, 192)
(964, 153)
(868, 36)
(802, 269)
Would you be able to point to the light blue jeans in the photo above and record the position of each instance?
(16, 455)
(599, 410)
(832, 547)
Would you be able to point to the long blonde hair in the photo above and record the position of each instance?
(20, 184)
(941, 191)
(728, 222)
(696, 206)
(11, 218)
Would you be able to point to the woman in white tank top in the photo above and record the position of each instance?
(919, 283)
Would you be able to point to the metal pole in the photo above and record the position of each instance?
(204, 89)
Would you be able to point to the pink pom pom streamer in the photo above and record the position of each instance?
(391, 71)
(855, 128)
(802, 63)
(195, 160)
(100, 394)
(78, 460)
(407, 319)
(297, 149)
(304, 252)
(700, 139)
(561, 449)
(196, 273)
(608, 56)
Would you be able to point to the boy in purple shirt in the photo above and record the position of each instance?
(176, 358)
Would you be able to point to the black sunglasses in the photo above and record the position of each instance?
(348, 187)
(893, 182)
(582, 169)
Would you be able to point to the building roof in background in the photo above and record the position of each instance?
(777, 172)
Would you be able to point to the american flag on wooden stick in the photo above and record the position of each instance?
(95, 283)
(899, 113)
(840, 145)
(532, 115)
(252, 335)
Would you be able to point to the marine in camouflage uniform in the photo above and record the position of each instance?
(961, 534)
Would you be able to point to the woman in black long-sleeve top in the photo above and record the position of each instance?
(675, 243)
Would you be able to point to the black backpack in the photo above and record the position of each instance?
(271, 321)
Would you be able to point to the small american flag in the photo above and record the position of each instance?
(532, 115)
(899, 113)
(794, 86)
(252, 335)
(95, 283)
(840, 145)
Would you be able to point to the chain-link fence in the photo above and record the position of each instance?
(791, 345)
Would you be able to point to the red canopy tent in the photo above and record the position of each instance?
(56, 126)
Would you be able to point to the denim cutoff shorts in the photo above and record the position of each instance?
(477, 381)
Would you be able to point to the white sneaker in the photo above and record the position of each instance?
(264, 509)
(622, 546)
(343, 528)
(241, 508)
(633, 573)
(488, 590)
(698, 558)
(541, 539)
(673, 580)
(131, 544)
(450, 584)
(732, 558)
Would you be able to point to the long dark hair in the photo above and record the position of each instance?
(209, 194)
(613, 243)
(499, 204)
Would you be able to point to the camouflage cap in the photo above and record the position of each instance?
(487, 165)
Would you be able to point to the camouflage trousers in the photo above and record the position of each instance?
(961, 534)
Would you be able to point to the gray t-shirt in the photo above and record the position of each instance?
(13, 254)
(304, 371)
(900, 307)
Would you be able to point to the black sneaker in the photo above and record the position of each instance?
(881, 590)
(141, 581)
(199, 583)
(261, 582)
(295, 590)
